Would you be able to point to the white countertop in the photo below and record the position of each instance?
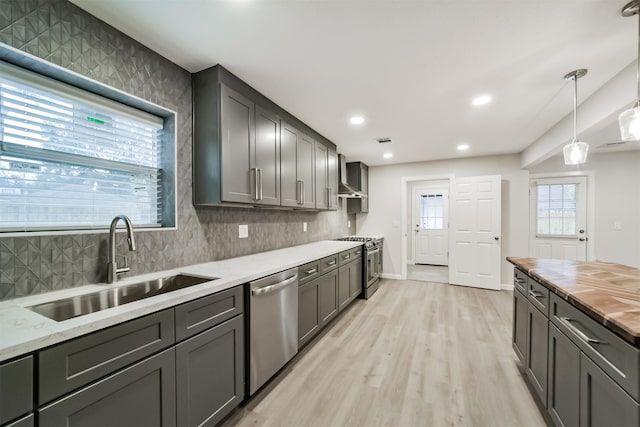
(23, 331)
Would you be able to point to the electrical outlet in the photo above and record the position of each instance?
(243, 231)
(617, 225)
(304, 227)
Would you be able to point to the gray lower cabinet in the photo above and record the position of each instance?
(27, 421)
(143, 394)
(536, 354)
(328, 296)
(355, 278)
(563, 401)
(210, 374)
(344, 291)
(16, 389)
(308, 313)
(519, 336)
(602, 401)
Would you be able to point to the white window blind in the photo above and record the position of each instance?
(73, 159)
(556, 210)
(432, 212)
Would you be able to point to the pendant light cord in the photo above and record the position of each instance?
(575, 106)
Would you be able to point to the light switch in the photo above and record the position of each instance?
(304, 227)
(243, 231)
(349, 223)
(617, 225)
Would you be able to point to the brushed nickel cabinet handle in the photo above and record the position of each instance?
(536, 294)
(313, 270)
(567, 322)
(332, 262)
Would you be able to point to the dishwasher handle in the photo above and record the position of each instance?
(273, 288)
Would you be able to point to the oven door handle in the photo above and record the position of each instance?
(371, 252)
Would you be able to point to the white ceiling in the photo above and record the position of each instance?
(411, 68)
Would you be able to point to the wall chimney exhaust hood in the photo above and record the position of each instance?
(346, 190)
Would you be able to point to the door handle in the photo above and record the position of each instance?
(496, 238)
(259, 171)
(299, 195)
(567, 322)
(255, 182)
(582, 239)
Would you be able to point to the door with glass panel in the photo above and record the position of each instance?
(558, 218)
(431, 237)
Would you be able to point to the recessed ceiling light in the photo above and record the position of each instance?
(481, 100)
(357, 120)
(463, 147)
(387, 155)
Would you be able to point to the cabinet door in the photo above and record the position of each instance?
(519, 338)
(536, 359)
(322, 183)
(344, 286)
(288, 165)
(602, 401)
(142, 395)
(210, 374)
(355, 282)
(16, 388)
(267, 157)
(332, 178)
(564, 379)
(365, 189)
(308, 315)
(328, 296)
(306, 168)
(238, 142)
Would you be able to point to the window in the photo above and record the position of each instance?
(73, 159)
(556, 210)
(432, 212)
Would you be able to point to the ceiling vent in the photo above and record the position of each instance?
(383, 140)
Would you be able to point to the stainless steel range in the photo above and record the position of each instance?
(372, 266)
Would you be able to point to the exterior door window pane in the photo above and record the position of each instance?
(432, 212)
(556, 213)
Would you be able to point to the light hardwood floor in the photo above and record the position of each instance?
(416, 354)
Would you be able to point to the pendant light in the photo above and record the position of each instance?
(629, 120)
(575, 152)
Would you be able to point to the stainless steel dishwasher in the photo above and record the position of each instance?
(273, 325)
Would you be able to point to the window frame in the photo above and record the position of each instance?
(169, 217)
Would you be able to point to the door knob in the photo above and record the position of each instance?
(582, 239)
(496, 238)
(581, 231)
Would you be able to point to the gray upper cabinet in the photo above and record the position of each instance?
(332, 172)
(358, 176)
(247, 150)
(297, 168)
(238, 141)
(322, 176)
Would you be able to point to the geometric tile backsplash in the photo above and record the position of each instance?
(60, 32)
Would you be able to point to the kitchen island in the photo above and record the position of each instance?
(576, 330)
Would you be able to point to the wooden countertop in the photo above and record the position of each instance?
(607, 292)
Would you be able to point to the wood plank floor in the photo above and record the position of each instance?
(416, 354)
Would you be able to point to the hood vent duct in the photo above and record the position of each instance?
(345, 189)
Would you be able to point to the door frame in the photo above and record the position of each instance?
(432, 189)
(591, 222)
(405, 182)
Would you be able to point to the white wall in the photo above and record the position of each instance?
(384, 215)
(617, 199)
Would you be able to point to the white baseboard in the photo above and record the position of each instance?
(391, 276)
(506, 287)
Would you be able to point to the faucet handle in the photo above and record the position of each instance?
(125, 268)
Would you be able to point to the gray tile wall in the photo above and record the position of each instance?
(60, 32)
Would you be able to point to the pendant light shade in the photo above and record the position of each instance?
(629, 120)
(575, 153)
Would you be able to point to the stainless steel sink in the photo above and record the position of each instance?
(67, 308)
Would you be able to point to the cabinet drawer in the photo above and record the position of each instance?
(308, 271)
(16, 388)
(196, 316)
(520, 281)
(539, 296)
(328, 263)
(345, 257)
(77, 362)
(356, 253)
(619, 359)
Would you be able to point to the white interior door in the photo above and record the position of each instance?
(475, 232)
(431, 236)
(558, 218)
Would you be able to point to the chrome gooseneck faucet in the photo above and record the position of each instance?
(113, 270)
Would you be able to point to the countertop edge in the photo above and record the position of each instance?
(23, 331)
(611, 324)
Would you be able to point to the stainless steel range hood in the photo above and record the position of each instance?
(345, 189)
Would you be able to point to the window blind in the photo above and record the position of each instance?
(73, 159)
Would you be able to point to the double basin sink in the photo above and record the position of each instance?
(80, 305)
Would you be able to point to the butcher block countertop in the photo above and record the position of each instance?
(607, 292)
